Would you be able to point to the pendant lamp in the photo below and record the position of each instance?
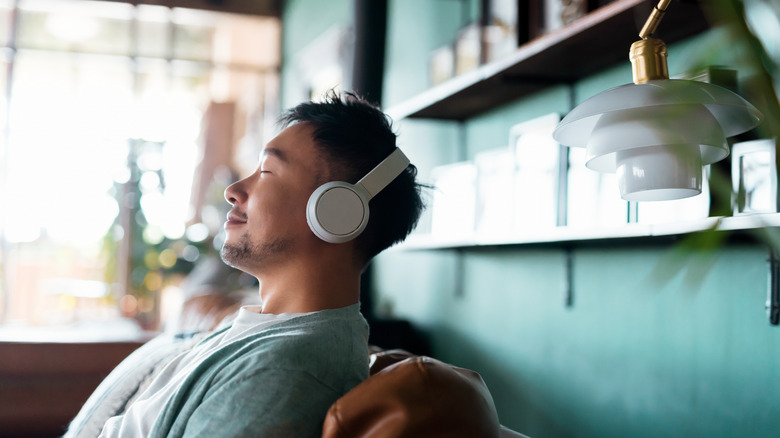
(656, 133)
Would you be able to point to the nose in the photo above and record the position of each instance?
(235, 193)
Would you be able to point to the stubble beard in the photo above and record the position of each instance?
(248, 256)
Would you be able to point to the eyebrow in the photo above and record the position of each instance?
(274, 152)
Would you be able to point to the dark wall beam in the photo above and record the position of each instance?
(370, 35)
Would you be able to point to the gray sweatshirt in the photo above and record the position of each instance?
(262, 376)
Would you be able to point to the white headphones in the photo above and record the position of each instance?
(337, 211)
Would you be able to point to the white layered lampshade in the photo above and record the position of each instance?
(657, 135)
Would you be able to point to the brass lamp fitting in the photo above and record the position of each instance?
(648, 55)
(648, 60)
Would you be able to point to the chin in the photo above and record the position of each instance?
(227, 256)
(236, 254)
(246, 255)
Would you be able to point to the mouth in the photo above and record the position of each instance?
(235, 218)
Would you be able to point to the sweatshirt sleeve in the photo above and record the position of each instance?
(268, 403)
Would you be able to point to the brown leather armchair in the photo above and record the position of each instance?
(415, 396)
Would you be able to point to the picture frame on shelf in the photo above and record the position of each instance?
(536, 158)
(494, 211)
(754, 176)
(454, 200)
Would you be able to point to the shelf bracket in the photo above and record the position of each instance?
(568, 278)
(460, 278)
(773, 289)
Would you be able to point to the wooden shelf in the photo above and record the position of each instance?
(569, 236)
(594, 42)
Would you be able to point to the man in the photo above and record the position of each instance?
(277, 369)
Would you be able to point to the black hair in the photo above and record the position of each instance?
(354, 136)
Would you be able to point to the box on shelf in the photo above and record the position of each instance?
(468, 47)
(502, 33)
(754, 176)
(441, 64)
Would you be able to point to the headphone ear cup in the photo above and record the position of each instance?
(337, 212)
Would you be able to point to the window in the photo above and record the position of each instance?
(107, 152)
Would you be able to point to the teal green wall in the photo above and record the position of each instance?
(637, 354)
(302, 22)
(661, 339)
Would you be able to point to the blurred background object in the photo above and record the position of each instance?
(121, 126)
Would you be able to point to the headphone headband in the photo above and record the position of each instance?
(384, 173)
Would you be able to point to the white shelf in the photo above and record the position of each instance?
(567, 235)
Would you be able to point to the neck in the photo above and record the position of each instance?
(309, 285)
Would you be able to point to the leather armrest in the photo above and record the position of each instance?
(418, 396)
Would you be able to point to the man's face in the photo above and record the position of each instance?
(267, 223)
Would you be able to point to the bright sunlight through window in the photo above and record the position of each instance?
(105, 170)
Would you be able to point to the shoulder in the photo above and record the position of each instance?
(331, 345)
(326, 329)
(329, 334)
